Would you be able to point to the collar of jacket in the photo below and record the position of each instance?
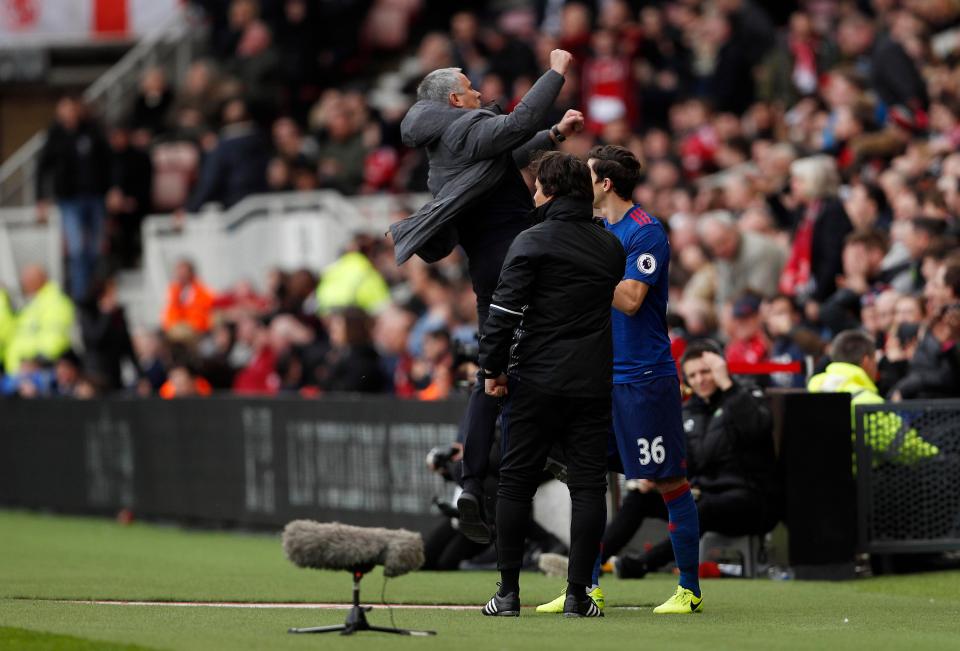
(564, 209)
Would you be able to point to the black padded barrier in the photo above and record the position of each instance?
(247, 462)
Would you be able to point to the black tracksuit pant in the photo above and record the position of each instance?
(532, 422)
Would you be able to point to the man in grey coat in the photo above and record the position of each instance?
(481, 202)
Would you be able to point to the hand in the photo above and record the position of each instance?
(572, 121)
(560, 61)
(458, 455)
(718, 367)
(43, 211)
(645, 485)
(496, 387)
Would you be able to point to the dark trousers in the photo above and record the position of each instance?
(480, 420)
(532, 422)
(735, 512)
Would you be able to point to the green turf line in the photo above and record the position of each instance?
(19, 639)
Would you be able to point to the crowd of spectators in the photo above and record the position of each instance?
(802, 154)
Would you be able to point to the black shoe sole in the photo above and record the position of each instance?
(579, 616)
(471, 522)
(505, 613)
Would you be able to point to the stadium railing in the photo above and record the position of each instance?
(171, 45)
(285, 230)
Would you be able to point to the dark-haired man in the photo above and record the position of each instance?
(646, 391)
(729, 436)
(547, 347)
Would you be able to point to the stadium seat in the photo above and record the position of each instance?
(748, 550)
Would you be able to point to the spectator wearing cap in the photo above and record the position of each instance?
(42, 328)
(189, 303)
(744, 261)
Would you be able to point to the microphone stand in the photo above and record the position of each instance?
(357, 617)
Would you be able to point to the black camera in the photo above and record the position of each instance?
(440, 459)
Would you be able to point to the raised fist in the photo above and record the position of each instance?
(560, 61)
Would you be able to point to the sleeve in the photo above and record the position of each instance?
(523, 154)
(490, 137)
(509, 302)
(648, 254)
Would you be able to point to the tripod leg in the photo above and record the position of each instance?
(319, 629)
(401, 631)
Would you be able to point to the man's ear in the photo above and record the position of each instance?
(454, 99)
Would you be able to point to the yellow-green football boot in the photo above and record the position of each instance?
(683, 602)
(556, 606)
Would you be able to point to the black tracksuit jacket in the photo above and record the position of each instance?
(549, 322)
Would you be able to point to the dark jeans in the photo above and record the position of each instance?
(736, 512)
(532, 423)
(82, 219)
(480, 419)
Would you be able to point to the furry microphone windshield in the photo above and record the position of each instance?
(335, 546)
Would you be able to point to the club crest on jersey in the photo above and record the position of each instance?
(646, 263)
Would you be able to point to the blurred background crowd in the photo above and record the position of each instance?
(803, 156)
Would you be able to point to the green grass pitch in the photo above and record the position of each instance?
(46, 560)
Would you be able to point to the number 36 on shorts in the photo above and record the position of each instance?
(651, 451)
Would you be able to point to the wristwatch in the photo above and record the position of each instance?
(556, 133)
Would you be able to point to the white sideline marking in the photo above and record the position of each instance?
(238, 604)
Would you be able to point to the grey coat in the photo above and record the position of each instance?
(469, 151)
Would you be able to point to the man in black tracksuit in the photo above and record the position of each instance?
(547, 345)
(731, 464)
